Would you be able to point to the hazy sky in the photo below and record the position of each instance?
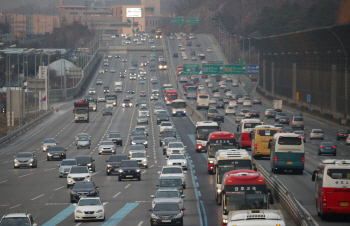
(11, 4)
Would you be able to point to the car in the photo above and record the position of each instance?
(99, 82)
(49, 142)
(139, 140)
(194, 58)
(286, 130)
(283, 120)
(78, 173)
(209, 49)
(142, 119)
(316, 134)
(154, 80)
(165, 126)
(235, 84)
(166, 195)
(240, 100)
(257, 100)
(117, 56)
(210, 85)
(127, 103)
(327, 148)
(215, 89)
(175, 148)
(56, 153)
(175, 55)
(136, 133)
(246, 97)
(144, 129)
(230, 110)
(166, 141)
(140, 157)
(109, 56)
(142, 93)
(233, 103)
(298, 122)
(86, 160)
(122, 74)
(25, 159)
(129, 169)
(211, 112)
(278, 115)
(198, 44)
(271, 114)
(297, 115)
(65, 167)
(113, 163)
(173, 171)
(170, 210)
(245, 112)
(106, 147)
(164, 135)
(343, 134)
(112, 70)
(238, 96)
(177, 159)
(137, 148)
(184, 57)
(101, 99)
(218, 117)
(228, 79)
(162, 117)
(18, 219)
(217, 94)
(247, 103)
(124, 60)
(239, 117)
(106, 89)
(89, 208)
(101, 71)
(279, 126)
(154, 97)
(87, 98)
(116, 138)
(82, 135)
(171, 182)
(83, 189)
(220, 104)
(83, 142)
(157, 109)
(107, 111)
(302, 134)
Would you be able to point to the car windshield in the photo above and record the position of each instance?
(166, 124)
(114, 135)
(83, 160)
(25, 155)
(162, 115)
(166, 207)
(80, 111)
(168, 140)
(172, 170)
(139, 138)
(136, 132)
(167, 194)
(138, 155)
(55, 148)
(107, 143)
(49, 141)
(117, 158)
(170, 182)
(177, 157)
(143, 117)
(69, 163)
(140, 129)
(90, 202)
(83, 185)
(83, 138)
(129, 164)
(175, 145)
(213, 111)
(137, 147)
(79, 170)
(15, 221)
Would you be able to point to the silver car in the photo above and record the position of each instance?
(177, 159)
(80, 135)
(142, 119)
(142, 128)
(65, 166)
(137, 148)
(83, 142)
(316, 134)
(168, 195)
(49, 142)
(211, 112)
(26, 159)
(239, 117)
(106, 147)
(101, 99)
(140, 157)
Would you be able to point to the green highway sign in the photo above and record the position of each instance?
(193, 20)
(242, 62)
(215, 62)
(178, 20)
(209, 69)
(235, 69)
(191, 69)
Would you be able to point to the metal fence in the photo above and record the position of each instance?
(308, 68)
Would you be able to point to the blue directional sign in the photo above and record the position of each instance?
(308, 98)
(253, 69)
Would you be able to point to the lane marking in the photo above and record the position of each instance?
(58, 188)
(141, 222)
(60, 216)
(15, 206)
(205, 214)
(49, 169)
(116, 194)
(3, 181)
(118, 216)
(37, 197)
(25, 175)
(127, 185)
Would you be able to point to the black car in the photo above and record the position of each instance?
(122, 74)
(238, 96)
(162, 117)
(129, 169)
(193, 53)
(87, 98)
(106, 89)
(283, 120)
(218, 117)
(327, 148)
(164, 135)
(116, 138)
(287, 130)
(220, 104)
(86, 160)
(2, 108)
(56, 153)
(342, 134)
(141, 101)
(175, 55)
(107, 111)
(139, 140)
(83, 189)
(254, 114)
(127, 103)
(130, 91)
(214, 89)
(166, 213)
(272, 114)
(113, 163)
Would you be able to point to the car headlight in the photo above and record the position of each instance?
(170, 163)
(144, 160)
(179, 215)
(224, 221)
(138, 170)
(109, 165)
(49, 154)
(44, 148)
(184, 111)
(87, 177)
(174, 112)
(154, 216)
(218, 190)
(73, 192)
(78, 211)
(132, 142)
(61, 169)
(89, 164)
(145, 142)
(120, 171)
(99, 211)
(211, 162)
(16, 160)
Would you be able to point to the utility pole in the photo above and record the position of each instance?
(19, 94)
(249, 52)
(27, 91)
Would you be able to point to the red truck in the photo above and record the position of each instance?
(81, 111)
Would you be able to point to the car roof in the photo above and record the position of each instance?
(10, 215)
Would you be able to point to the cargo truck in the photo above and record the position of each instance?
(111, 99)
(118, 87)
(81, 111)
(277, 105)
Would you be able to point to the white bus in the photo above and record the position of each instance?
(178, 107)
(259, 217)
(203, 101)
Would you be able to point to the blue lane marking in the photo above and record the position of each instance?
(193, 140)
(197, 184)
(118, 216)
(194, 171)
(205, 215)
(199, 194)
(307, 174)
(61, 216)
(195, 177)
(191, 160)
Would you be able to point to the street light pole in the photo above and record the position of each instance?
(243, 49)
(19, 94)
(27, 90)
(249, 52)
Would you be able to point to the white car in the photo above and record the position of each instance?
(247, 103)
(213, 101)
(174, 171)
(316, 134)
(136, 39)
(143, 71)
(80, 173)
(175, 148)
(157, 109)
(140, 157)
(154, 97)
(101, 71)
(223, 85)
(200, 87)
(99, 82)
(101, 99)
(217, 94)
(232, 103)
(245, 112)
(184, 57)
(177, 159)
(230, 110)
(210, 85)
(347, 141)
(89, 208)
(139, 43)
(204, 62)
(112, 70)
(109, 56)
(106, 147)
(165, 126)
(235, 84)
(143, 111)
(209, 49)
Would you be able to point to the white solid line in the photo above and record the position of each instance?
(8, 161)
(78, 224)
(116, 194)
(49, 169)
(37, 197)
(141, 222)
(127, 185)
(25, 175)
(15, 206)
(58, 188)
(144, 172)
(151, 166)
(3, 181)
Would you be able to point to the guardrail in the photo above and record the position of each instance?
(25, 127)
(287, 200)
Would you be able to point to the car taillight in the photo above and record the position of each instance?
(303, 123)
(283, 132)
(217, 105)
(256, 147)
(341, 134)
(321, 146)
(292, 123)
(250, 113)
(275, 159)
(258, 113)
(334, 147)
(214, 116)
(303, 160)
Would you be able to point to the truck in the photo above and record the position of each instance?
(111, 99)
(81, 111)
(260, 217)
(277, 105)
(201, 56)
(92, 105)
(159, 33)
(118, 86)
(253, 77)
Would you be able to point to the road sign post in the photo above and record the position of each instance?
(235, 69)
(191, 69)
(209, 69)
(308, 98)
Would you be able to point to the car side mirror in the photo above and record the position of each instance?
(183, 196)
(152, 196)
(185, 146)
(250, 135)
(106, 160)
(93, 160)
(35, 224)
(183, 209)
(147, 156)
(313, 178)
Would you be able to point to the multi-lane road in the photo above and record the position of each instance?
(42, 193)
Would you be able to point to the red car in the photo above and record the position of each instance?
(106, 69)
(142, 93)
(198, 44)
(204, 76)
(187, 38)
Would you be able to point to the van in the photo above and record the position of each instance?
(298, 122)
(203, 101)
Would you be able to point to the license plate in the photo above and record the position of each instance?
(89, 215)
(328, 147)
(129, 175)
(166, 221)
(81, 196)
(56, 156)
(289, 163)
(343, 204)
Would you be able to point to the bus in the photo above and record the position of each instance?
(246, 126)
(178, 107)
(255, 217)
(227, 160)
(332, 179)
(191, 92)
(203, 129)
(261, 136)
(244, 190)
(170, 95)
(167, 87)
(179, 69)
(162, 65)
(183, 78)
(159, 33)
(287, 153)
(186, 85)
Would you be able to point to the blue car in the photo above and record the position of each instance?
(142, 81)
(327, 148)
